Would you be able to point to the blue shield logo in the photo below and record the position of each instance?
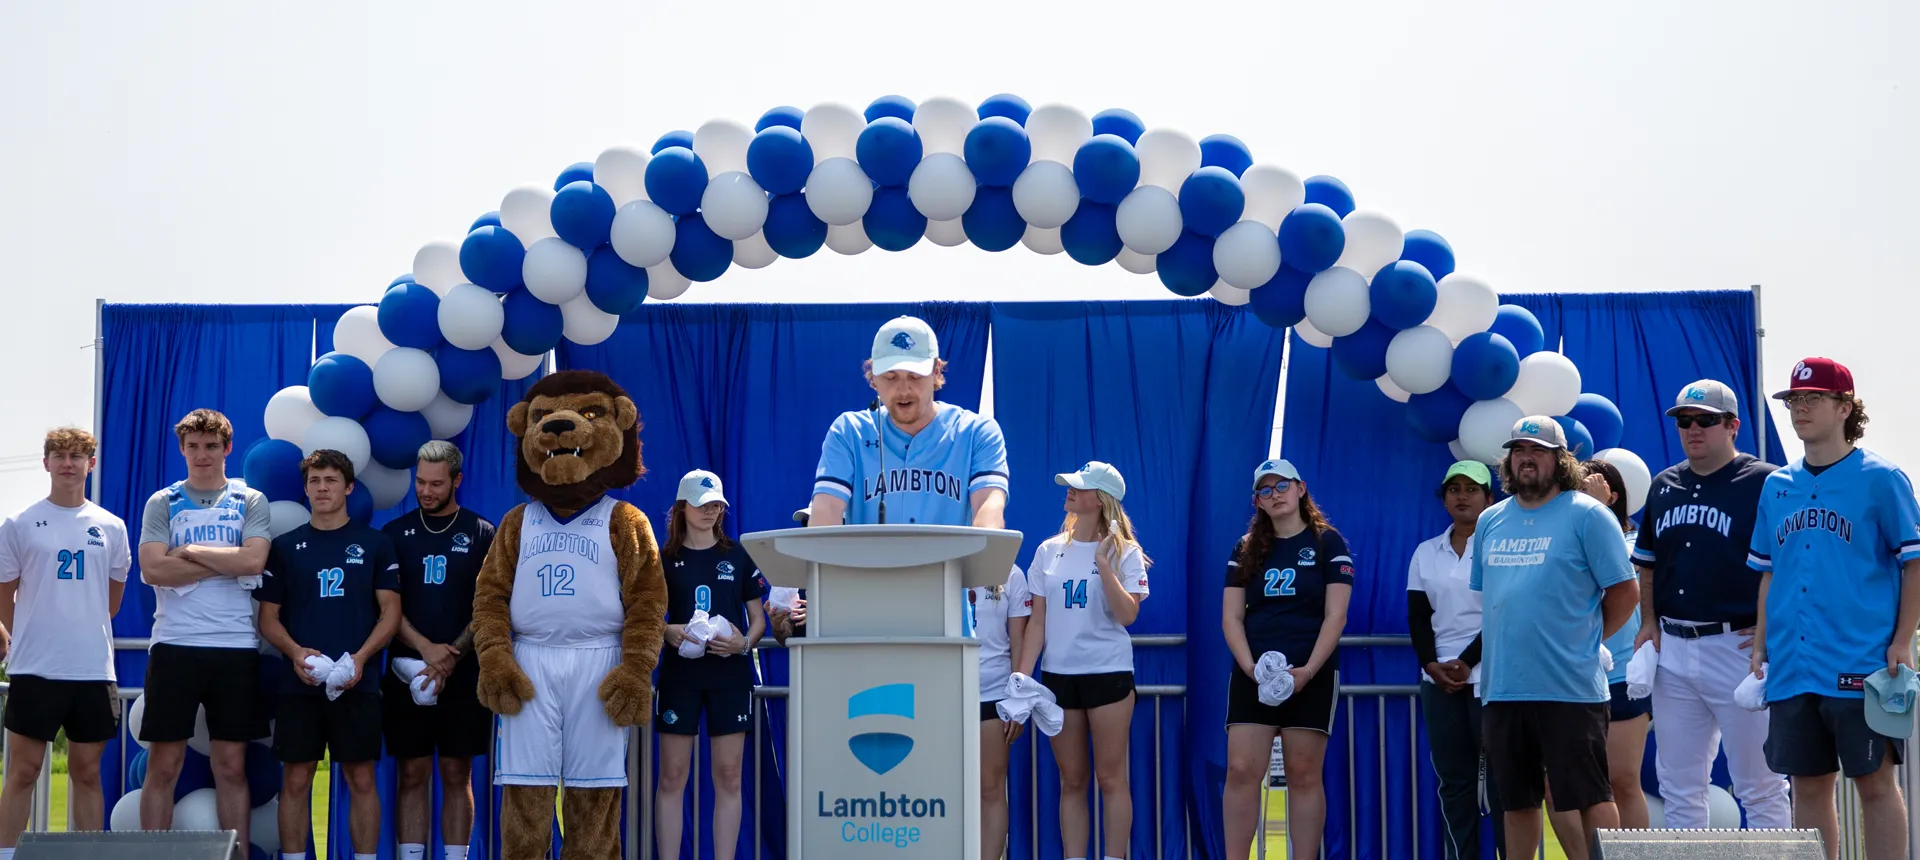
(881, 751)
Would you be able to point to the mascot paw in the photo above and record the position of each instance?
(627, 694)
(503, 687)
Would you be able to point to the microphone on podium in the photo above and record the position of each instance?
(880, 440)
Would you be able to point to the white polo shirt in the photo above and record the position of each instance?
(1437, 570)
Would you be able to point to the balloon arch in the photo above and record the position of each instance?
(567, 262)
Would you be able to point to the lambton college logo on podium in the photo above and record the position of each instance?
(874, 816)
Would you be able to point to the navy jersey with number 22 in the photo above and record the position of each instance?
(1287, 595)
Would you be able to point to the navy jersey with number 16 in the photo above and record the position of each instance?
(440, 558)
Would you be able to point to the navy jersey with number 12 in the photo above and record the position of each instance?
(324, 581)
(931, 476)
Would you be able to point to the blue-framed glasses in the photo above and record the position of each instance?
(1280, 487)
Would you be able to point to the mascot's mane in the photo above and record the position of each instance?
(616, 472)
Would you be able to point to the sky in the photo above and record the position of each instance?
(232, 152)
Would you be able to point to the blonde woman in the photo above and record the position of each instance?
(1088, 583)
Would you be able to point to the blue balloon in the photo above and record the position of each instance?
(196, 773)
(698, 252)
(1225, 150)
(681, 138)
(792, 230)
(888, 150)
(579, 171)
(1428, 249)
(1211, 200)
(1363, 354)
(397, 436)
(1331, 193)
(359, 510)
(891, 221)
(1485, 365)
(263, 774)
(137, 767)
(614, 285)
(1579, 439)
(582, 215)
(1521, 328)
(273, 468)
(403, 279)
(1402, 295)
(1120, 123)
(997, 149)
(490, 219)
(992, 223)
(784, 115)
(1312, 238)
(466, 375)
(1436, 415)
(1106, 169)
(340, 385)
(410, 315)
(898, 107)
(1006, 105)
(780, 159)
(1187, 267)
(675, 180)
(1281, 302)
(1091, 236)
(1601, 418)
(492, 257)
(533, 327)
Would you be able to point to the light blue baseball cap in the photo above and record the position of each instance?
(1095, 475)
(700, 487)
(1890, 702)
(905, 343)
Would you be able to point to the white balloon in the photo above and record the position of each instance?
(942, 124)
(388, 486)
(1373, 242)
(1136, 262)
(136, 714)
(471, 316)
(1312, 336)
(339, 434)
(586, 324)
(1420, 359)
(1228, 294)
(1167, 158)
(1656, 813)
(1723, 813)
(1247, 255)
(1487, 426)
(1463, 305)
(527, 213)
(665, 282)
(833, 131)
(406, 379)
(1337, 301)
(290, 412)
(1633, 472)
(848, 239)
(1042, 240)
(947, 234)
(358, 334)
(285, 516)
(446, 417)
(642, 233)
(622, 171)
(1045, 195)
(1460, 453)
(753, 252)
(436, 266)
(1057, 132)
(1391, 390)
(1271, 193)
(839, 192)
(554, 271)
(1148, 220)
(722, 146)
(263, 826)
(199, 810)
(942, 187)
(734, 205)
(1548, 384)
(126, 812)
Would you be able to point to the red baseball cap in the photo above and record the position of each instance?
(1818, 374)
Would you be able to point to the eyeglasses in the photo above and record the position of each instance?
(1687, 421)
(1276, 489)
(1805, 398)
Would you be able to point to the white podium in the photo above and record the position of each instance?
(883, 721)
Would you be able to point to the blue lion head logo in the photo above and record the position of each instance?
(93, 531)
(461, 539)
(902, 341)
(707, 483)
(355, 551)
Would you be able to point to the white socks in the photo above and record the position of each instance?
(300, 856)
(456, 852)
(413, 851)
(366, 857)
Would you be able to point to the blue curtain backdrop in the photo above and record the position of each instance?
(1179, 396)
(747, 392)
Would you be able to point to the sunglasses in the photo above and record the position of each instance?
(1687, 421)
(1276, 489)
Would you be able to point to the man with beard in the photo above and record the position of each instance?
(1555, 582)
(441, 547)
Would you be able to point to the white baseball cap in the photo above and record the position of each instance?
(700, 487)
(1095, 475)
(1538, 429)
(1275, 467)
(905, 343)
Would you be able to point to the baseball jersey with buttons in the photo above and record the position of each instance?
(1834, 543)
(325, 582)
(63, 559)
(930, 476)
(1694, 532)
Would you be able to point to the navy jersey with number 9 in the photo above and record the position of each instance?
(1286, 596)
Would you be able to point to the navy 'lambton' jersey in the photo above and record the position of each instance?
(720, 583)
(325, 583)
(1694, 533)
(1287, 596)
(440, 558)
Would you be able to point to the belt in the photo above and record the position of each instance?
(1696, 631)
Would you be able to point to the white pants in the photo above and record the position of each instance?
(562, 734)
(1693, 711)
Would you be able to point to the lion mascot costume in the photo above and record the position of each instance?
(568, 614)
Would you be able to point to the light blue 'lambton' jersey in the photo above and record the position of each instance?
(930, 477)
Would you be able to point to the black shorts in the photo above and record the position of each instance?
(1086, 692)
(728, 712)
(1564, 742)
(1310, 707)
(1621, 709)
(455, 726)
(39, 708)
(347, 728)
(181, 679)
(1814, 735)
(990, 710)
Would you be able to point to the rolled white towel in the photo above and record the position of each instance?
(339, 675)
(783, 598)
(180, 590)
(249, 583)
(1640, 671)
(1276, 682)
(694, 635)
(411, 671)
(1606, 658)
(1028, 697)
(1752, 692)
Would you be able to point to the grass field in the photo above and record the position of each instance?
(1276, 835)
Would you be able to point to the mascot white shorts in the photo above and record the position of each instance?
(563, 734)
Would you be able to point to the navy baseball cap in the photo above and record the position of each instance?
(1706, 395)
(1818, 374)
(1890, 702)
